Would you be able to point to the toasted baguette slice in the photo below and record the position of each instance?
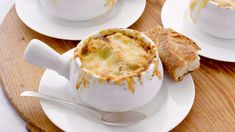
(178, 53)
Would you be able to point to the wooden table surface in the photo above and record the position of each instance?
(213, 110)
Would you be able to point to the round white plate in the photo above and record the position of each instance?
(175, 15)
(165, 111)
(125, 13)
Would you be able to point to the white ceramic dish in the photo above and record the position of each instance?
(165, 111)
(175, 15)
(102, 95)
(216, 20)
(124, 14)
(77, 10)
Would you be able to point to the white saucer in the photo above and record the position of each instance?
(175, 15)
(122, 16)
(165, 111)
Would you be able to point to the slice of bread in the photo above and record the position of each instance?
(178, 53)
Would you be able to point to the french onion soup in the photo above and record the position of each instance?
(116, 55)
(197, 6)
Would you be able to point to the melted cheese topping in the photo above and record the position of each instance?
(226, 3)
(110, 3)
(196, 6)
(115, 56)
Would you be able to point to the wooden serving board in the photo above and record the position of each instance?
(213, 110)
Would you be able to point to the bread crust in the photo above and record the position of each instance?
(175, 50)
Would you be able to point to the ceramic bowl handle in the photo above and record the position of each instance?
(40, 54)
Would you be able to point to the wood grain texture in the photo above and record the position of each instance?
(213, 110)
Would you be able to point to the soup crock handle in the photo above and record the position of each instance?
(40, 54)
